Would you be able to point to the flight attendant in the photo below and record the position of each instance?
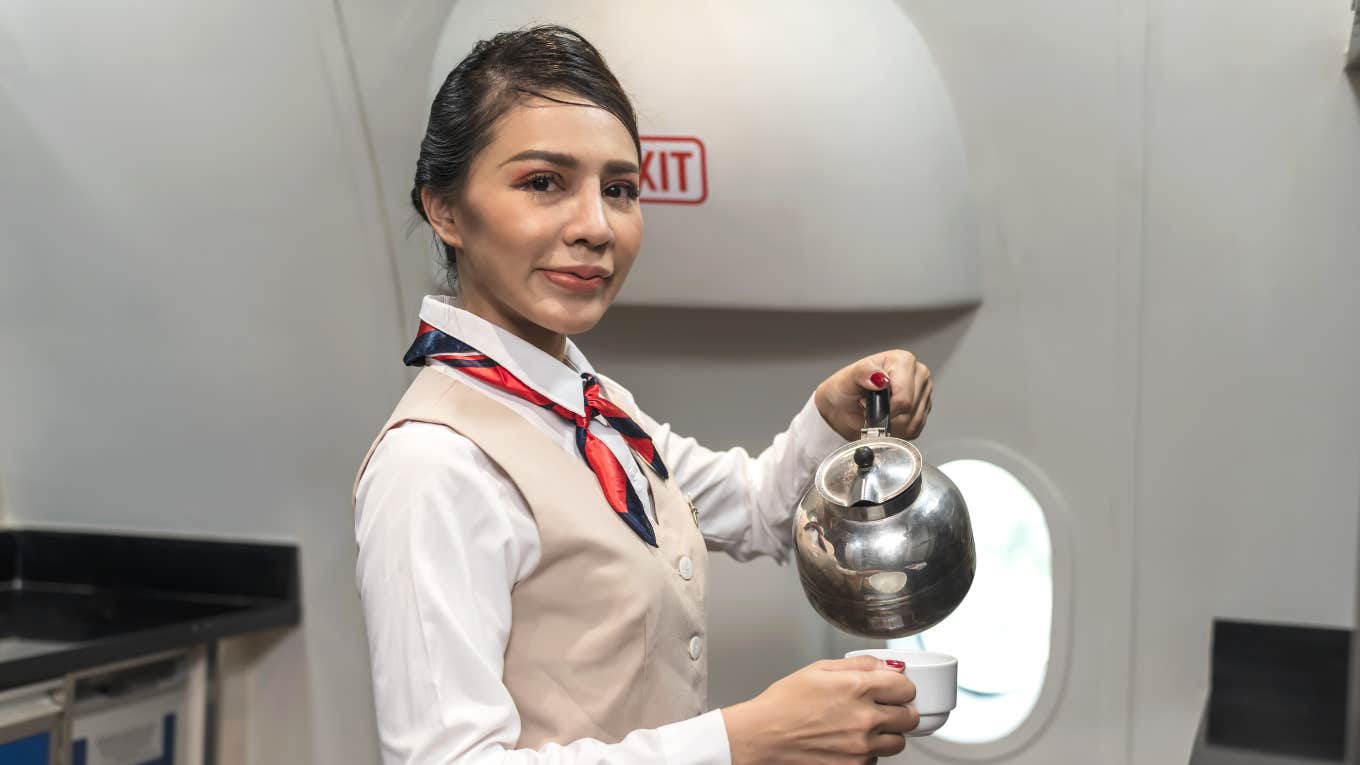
(531, 562)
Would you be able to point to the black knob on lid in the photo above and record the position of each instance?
(864, 457)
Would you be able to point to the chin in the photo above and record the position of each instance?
(574, 320)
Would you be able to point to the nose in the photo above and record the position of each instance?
(589, 225)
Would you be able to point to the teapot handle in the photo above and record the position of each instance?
(876, 409)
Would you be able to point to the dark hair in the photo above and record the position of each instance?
(497, 73)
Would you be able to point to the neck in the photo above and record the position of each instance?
(552, 343)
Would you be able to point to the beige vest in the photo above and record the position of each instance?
(607, 633)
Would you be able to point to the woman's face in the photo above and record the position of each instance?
(549, 223)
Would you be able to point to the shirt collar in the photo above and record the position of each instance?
(521, 358)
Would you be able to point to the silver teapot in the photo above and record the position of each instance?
(883, 540)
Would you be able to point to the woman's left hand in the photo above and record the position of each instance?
(840, 398)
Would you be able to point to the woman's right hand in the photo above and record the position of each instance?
(833, 711)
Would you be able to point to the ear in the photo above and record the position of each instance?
(441, 215)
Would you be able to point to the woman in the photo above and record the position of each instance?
(531, 566)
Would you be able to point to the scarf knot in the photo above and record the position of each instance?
(433, 345)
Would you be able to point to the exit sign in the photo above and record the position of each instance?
(674, 170)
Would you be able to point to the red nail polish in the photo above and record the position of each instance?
(895, 664)
(879, 379)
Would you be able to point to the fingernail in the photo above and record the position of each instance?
(895, 664)
(879, 379)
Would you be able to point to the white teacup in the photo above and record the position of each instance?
(936, 676)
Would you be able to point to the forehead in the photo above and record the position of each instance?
(581, 129)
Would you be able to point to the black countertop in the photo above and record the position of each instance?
(71, 600)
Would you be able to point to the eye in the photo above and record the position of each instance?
(622, 191)
(541, 183)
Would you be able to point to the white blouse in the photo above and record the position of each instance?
(444, 535)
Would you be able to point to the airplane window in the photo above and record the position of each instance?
(1000, 633)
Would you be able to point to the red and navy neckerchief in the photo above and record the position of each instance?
(433, 345)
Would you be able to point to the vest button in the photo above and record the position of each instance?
(696, 646)
(686, 568)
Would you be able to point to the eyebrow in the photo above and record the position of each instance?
(612, 167)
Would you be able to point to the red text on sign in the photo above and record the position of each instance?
(674, 170)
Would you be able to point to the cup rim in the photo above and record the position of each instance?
(913, 659)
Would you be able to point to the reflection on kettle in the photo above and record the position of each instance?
(883, 541)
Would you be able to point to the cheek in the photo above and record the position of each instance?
(514, 235)
(628, 237)
(530, 223)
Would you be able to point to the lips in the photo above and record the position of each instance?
(583, 280)
(582, 272)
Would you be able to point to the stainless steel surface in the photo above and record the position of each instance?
(883, 540)
(31, 710)
(20, 648)
(896, 466)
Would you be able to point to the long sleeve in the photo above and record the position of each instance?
(746, 503)
(443, 536)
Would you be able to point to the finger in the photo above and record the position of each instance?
(890, 688)
(903, 373)
(898, 719)
(923, 378)
(861, 663)
(901, 424)
(918, 420)
(920, 375)
(887, 744)
(874, 372)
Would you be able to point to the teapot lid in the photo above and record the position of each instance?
(870, 471)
